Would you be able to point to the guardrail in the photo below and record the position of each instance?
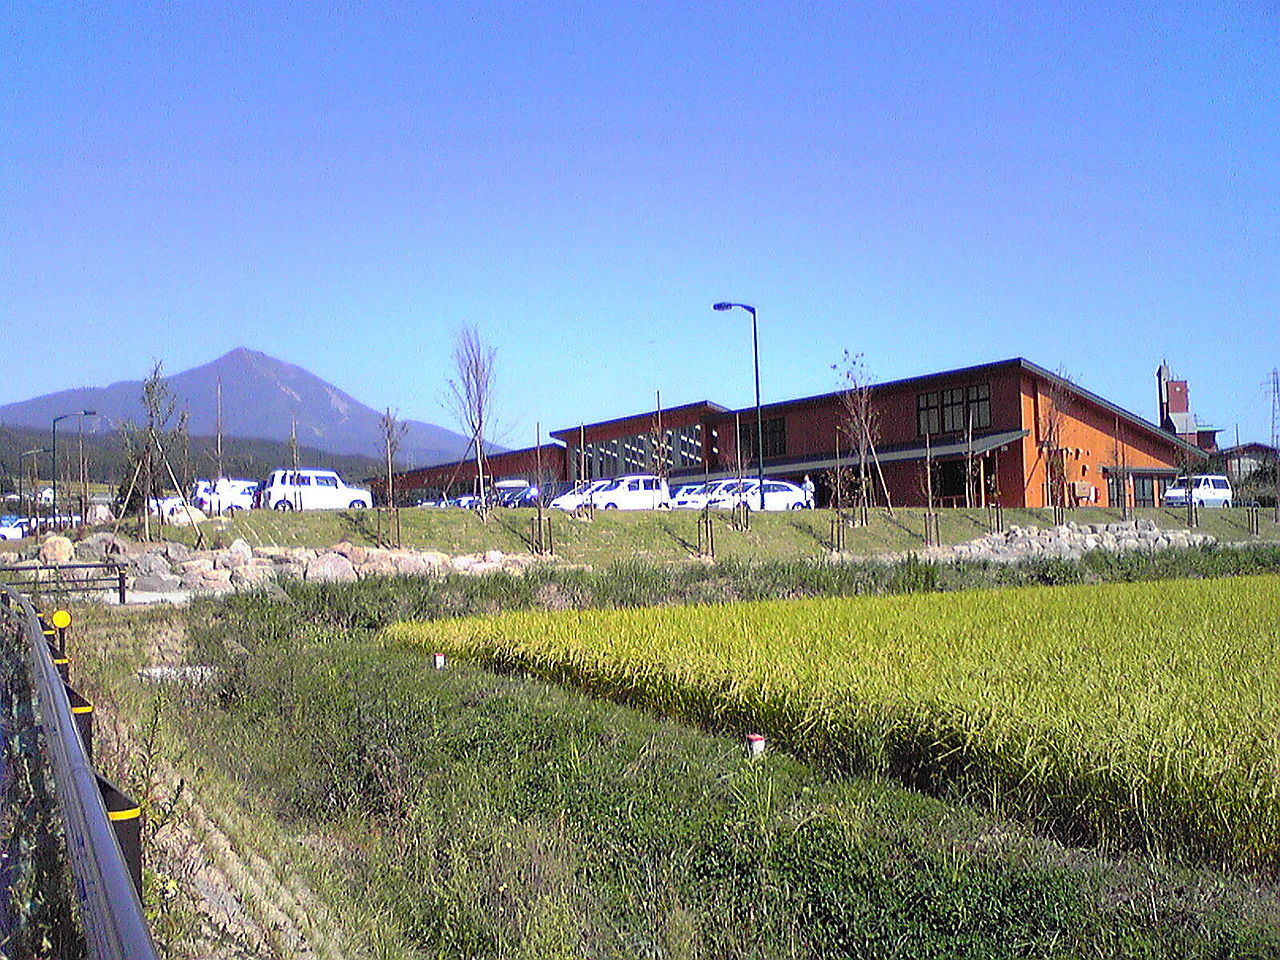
(101, 825)
(51, 578)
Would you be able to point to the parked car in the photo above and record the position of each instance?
(520, 497)
(580, 495)
(638, 491)
(1206, 490)
(700, 496)
(13, 528)
(310, 490)
(778, 495)
(681, 494)
(224, 495)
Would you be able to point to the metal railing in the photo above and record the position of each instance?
(54, 578)
(106, 883)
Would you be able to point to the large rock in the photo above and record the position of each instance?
(151, 565)
(346, 548)
(234, 556)
(330, 568)
(98, 513)
(252, 575)
(157, 584)
(184, 515)
(57, 549)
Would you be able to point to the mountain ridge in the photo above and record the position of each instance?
(262, 398)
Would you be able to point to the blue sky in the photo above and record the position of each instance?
(1092, 186)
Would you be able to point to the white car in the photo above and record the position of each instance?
(696, 499)
(224, 495)
(310, 490)
(638, 491)
(580, 495)
(13, 528)
(1207, 490)
(778, 495)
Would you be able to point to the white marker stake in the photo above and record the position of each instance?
(755, 745)
(439, 661)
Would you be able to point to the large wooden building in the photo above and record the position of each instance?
(1009, 432)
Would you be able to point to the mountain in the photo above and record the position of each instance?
(261, 396)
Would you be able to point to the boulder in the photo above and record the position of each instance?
(252, 575)
(98, 513)
(329, 568)
(184, 515)
(151, 565)
(57, 549)
(157, 584)
(234, 556)
(346, 548)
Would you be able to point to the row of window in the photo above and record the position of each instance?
(954, 410)
(639, 453)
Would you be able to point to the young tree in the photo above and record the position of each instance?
(393, 432)
(471, 396)
(145, 447)
(861, 424)
(1055, 406)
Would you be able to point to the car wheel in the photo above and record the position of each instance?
(231, 511)
(611, 506)
(357, 504)
(797, 506)
(283, 505)
(1226, 505)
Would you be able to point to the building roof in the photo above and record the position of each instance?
(569, 434)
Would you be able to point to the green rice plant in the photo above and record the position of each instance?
(1134, 714)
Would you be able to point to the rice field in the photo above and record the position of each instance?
(1141, 715)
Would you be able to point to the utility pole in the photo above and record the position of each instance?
(1275, 439)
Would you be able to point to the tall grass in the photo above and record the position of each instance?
(1136, 714)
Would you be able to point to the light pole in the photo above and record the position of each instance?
(78, 413)
(755, 352)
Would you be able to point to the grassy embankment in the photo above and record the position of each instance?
(665, 536)
(472, 814)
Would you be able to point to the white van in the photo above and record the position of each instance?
(1207, 490)
(310, 490)
(639, 491)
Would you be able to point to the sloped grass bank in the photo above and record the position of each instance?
(472, 814)
(665, 536)
(1136, 715)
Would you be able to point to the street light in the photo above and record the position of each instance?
(755, 352)
(78, 413)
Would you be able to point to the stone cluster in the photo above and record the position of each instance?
(1069, 541)
(168, 567)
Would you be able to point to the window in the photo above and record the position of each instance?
(775, 438)
(327, 482)
(1144, 493)
(954, 410)
(928, 414)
